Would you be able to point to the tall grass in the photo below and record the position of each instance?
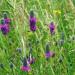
(62, 13)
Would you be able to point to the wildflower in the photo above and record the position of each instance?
(52, 28)
(6, 19)
(32, 21)
(49, 53)
(5, 29)
(31, 59)
(25, 66)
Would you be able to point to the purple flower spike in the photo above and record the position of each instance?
(52, 28)
(32, 24)
(5, 29)
(32, 21)
(25, 66)
(49, 54)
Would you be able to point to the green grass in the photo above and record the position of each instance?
(62, 13)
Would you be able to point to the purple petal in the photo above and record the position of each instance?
(31, 61)
(32, 23)
(49, 54)
(25, 68)
(5, 29)
(52, 27)
(7, 21)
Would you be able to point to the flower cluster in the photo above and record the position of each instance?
(49, 53)
(32, 21)
(4, 26)
(52, 28)
(25, 66)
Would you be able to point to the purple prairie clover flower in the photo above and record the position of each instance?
(49, 54)
(6, 19)
(52, 28)
(31, 59)
(5, 29)
(25, 66)
(32, 21)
